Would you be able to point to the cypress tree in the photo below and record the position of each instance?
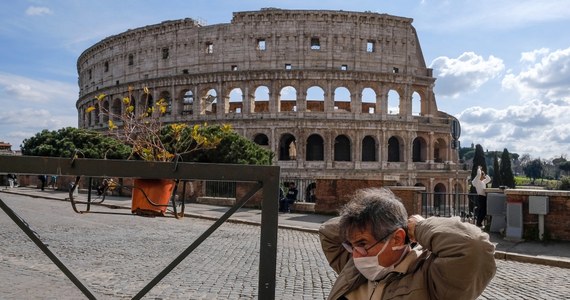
(497, 172)
(507, 176)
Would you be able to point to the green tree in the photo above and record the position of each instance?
(506, 173)
(564, 166)
(478, 160)
(69, 141)
(497, 173)
(533, 169)
(232, 149)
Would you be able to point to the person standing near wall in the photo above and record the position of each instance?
(480, 183)
(43, 179)
(12, 180)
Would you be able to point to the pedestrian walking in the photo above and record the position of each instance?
(43, 179)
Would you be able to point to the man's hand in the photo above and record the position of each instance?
(412, 221)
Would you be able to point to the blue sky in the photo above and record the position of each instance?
(502, 67)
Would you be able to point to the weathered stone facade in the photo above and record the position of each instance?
(336, 95)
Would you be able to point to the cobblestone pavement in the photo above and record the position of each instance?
(116, 255)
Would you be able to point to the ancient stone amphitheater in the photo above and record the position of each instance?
(339, 96)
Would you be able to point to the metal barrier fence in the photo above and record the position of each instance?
(447, 205)
(266, 180)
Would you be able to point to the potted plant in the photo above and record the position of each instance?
(151, 140)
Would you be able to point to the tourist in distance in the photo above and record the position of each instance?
(480, 183)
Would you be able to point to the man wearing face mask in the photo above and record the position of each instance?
(370, 248)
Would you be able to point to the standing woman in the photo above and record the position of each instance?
(480, 183)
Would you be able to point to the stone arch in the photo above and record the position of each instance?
(395, 149)
(439, 191)
(105, 110)
(342, 99)
(342, 148)
(287, 99)
(261, 139)
(416, 104)
(235, 103)
(439, 150)
(368, 101)
(315, 148)
(96, 114)
(116, 111)
(394, 102)
(287, 147)
(187, 102)
(369, 148)
(167, 100)
(315, 98)
(261, 99)
(209, 101)
(419, 150)
(132, 102)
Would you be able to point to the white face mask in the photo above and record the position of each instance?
(369, 267)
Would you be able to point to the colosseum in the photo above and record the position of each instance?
(344, 99)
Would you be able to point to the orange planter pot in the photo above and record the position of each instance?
(158, 191)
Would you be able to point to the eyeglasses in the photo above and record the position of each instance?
(362, 250)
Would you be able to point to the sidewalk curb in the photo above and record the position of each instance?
(510, 256)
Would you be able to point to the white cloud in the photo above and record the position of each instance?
(38, 11)
(27, 90)
(466, 73)
(533, 127)
(545, 75)
(33, 105)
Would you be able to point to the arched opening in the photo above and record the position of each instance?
(416, 104)
(439, 199)
(315, 99)
(342, 99)
(261, 139)
(315, 148)
(148, 104)
(393, 103)
(287, 147)
(393, 149)
(261, 99)
(165, 97)
(96, 113)
(105, 112)
(342, 148)
(210, 102)
(288, 99)
(368, 101)
(131, 103)
(116, 109)
(236, 101)
(419, 150)
(439, 151)
(369, 149)
(187, 103)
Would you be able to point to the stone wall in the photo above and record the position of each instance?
(556, 222)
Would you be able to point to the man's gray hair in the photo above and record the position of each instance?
(375, 207)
